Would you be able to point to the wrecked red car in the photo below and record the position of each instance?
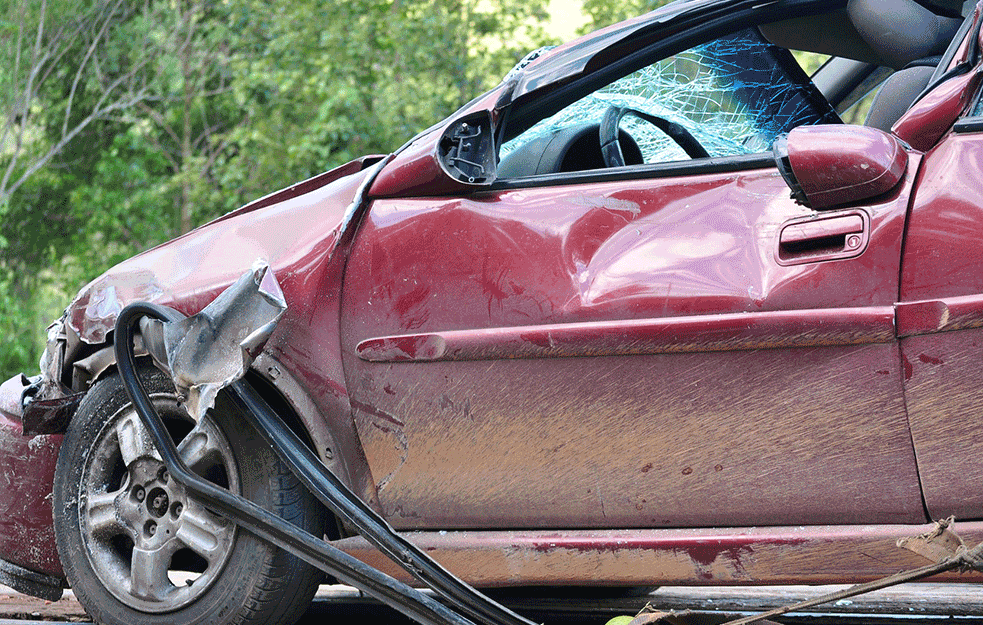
(646, 313)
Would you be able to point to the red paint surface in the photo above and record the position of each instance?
(921, 317)
(966, 47)
(703, 551)
(306, 186)
(943, 249)
(940, 318)
(924, 124)
(929, 118)
(734, 555)
(842, 164)
(700, 333)
(942, 315)
(576, 270)
(27, 467)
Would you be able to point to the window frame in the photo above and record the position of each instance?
(530, 110)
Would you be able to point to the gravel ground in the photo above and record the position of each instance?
(16, 606)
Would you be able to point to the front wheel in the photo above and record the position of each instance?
(138, 550)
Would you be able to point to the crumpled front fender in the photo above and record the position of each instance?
(292, 229)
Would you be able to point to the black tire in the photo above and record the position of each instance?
(120, 520)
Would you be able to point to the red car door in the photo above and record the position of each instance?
(633, 353)
(940, 315)
(670, 343)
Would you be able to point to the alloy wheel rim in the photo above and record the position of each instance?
(153, 547)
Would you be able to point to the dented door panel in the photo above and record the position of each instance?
(942, 303)
(562, 414)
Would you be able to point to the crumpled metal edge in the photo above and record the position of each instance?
(215, 347)
(937, 544)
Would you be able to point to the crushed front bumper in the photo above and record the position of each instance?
(27, 469)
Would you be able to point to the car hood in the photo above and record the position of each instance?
(293, 230)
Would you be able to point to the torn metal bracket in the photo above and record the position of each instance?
(206, 352)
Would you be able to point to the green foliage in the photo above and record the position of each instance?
(16, 316)
(155, 116)
(606, 12)
(338, 80)
(809, 61)
(17, 325)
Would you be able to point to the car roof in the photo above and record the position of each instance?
(692, 17)
(574, 58)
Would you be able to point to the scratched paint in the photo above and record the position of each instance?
(942, 389)
(26, 473)
(703, 333)
(644, 441)
(519, 438)
(940, 317)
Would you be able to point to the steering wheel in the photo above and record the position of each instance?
(611, 148)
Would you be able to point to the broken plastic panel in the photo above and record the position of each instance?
(734, 95)
(208, 351)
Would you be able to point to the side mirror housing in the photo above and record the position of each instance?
(835, 165)
(466, 150)
(458, 157)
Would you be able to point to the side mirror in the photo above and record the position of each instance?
(836, 165)
(466, 150)
(448, 159)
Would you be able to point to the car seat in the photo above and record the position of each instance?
(897, 94)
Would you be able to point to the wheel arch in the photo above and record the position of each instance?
(274, 383)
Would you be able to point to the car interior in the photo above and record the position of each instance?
(888, 52)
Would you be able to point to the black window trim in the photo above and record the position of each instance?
(715, 165)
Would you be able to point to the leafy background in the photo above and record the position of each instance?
(128, 122)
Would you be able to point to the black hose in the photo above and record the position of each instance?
(264, 524)
(342, 501)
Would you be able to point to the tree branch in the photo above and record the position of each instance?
(106, 22)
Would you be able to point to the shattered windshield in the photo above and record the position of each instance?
(734, 95)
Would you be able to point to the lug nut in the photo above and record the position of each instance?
(151, 528)
(164, 476)
(178, 509)
(140, 494)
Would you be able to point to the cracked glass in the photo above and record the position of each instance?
(734, 95)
